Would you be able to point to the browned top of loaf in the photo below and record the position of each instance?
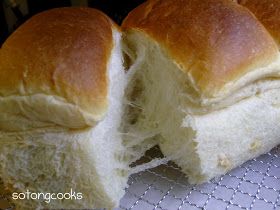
(268, 12)
(215, 41)
(62, 52)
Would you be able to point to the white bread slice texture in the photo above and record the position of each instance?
(227, 138)
(55, 152)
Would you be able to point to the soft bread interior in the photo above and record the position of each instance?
(204, 139)
(233, 135)
(56, 158)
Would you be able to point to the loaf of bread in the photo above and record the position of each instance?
(207, 80)
(80, 100)
(61, 102)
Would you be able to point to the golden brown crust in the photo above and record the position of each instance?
(214, 41)
(268, 13)
(61, 52)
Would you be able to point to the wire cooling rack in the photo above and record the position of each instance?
(254, 185)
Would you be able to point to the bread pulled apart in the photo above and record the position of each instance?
(207, 75)
(81, 100)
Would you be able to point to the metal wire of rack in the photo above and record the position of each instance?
(255, 185)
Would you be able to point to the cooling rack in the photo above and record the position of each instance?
(254, 185)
